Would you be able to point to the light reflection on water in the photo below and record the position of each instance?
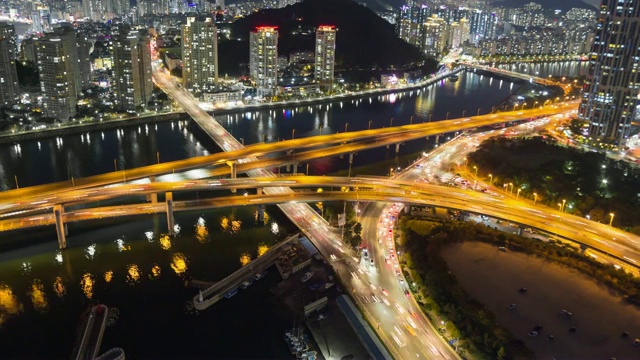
(123, 264)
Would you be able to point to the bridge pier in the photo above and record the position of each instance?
(397, 148)
(437, 139)
(170, 219)
(350, 158)
(61, 227)
(295, 168)
(153, 198)
(234, 172)
(520, 228)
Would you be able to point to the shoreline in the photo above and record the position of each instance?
(77, 128)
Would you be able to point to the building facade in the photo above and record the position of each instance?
(132, 86)
(55, 66)
(263, 59)
(9, 89)
(325, 56)
(613, 81)
(200, 55)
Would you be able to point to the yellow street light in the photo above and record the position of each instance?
(518, 193)
(535, 198)
(611, 221)
(559, 207)
(563, 203)
(490, 179)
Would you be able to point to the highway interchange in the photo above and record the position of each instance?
(364, 280)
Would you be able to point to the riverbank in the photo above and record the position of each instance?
(86, 126)
(550, 288)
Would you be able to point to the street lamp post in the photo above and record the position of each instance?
(559, 206)
(535, 198)
(518, 193)
(511, 188)
(475, 181)
(115, 165)
(158, 156)
(563, 204)
(391, 123)
(242, 141)
(478, 113)
(464, 111)
(430, 115)
(490, 180)
(611, 220)
(447, 118)
(411, 120)
(369, 124)
(346, 126)
(293, 134)
(15, 177)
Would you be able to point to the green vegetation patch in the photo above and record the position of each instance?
(592, 184)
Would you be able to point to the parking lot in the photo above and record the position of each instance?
(494, 278)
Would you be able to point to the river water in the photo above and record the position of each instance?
(128, 265)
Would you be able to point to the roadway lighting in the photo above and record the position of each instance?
(346, 126)
(293, 134)
(535, 198)
(476, 168)
(391, 123)
(559, 207)
(563, 203)
(611, 220)
(490, 180)
(369, 125)
(447, 116)
(511, 188)
(411, 120)
(478, 113)
(463, 111)
(518, 193)
(604, 181)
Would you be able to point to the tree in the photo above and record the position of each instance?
(501, 353)
(596, 214)
(357, 229)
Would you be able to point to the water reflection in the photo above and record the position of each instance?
(58, 287)
(9, 304)
(90, 251)
(230, 225)
(108, 276)
(179, 263)
(165, 242)
(245, 258)
(133, 274)
(38, 297)
(155, 272)
(262, 249)
(86, 284)
(201, 231)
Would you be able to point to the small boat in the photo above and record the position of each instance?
(245, 284)
(307, 276)
(260, 275)
(231, 293)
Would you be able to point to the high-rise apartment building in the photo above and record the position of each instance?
(435, 36)
(132, 71)
(56, 69)
(9, 89)
(200, 55)
(613, 81)
(28, 50)
(84, 46)
(263, 59)
(325, 56)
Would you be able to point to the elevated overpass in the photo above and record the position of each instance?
(241, 155)
(606, 239)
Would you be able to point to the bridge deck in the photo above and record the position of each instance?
(215, 292)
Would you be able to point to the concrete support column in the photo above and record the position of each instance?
(153, 198)
(259, 191)
(170, 219)
(58, 210)
(295, 169)
(350, 158)
(234, 172)
(407, 208)
(397, 148)
(261, 213)
(437, 138)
